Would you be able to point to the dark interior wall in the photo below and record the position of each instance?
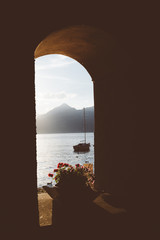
(116, 160)
(25, 25)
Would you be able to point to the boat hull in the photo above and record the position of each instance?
(82, 147)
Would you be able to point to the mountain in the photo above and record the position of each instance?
(65, 119)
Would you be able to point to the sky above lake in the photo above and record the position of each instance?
(60, 79)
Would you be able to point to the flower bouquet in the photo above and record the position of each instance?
(77, 181)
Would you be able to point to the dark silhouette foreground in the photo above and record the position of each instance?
(78, 217)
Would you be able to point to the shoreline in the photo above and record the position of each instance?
(38, 133)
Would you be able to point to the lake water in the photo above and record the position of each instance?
(55, 148)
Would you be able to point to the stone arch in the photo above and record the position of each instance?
(83, 43)
(107, 64)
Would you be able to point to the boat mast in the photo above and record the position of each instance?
(84, 125)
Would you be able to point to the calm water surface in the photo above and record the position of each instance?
(55, 148)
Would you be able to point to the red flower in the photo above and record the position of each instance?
(66, 165)
(60, 165)
(50, 175)
(55, 170)
(77, 165)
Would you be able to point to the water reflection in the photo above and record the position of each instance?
(55, 148)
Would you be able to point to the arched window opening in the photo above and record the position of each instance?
(63, 89)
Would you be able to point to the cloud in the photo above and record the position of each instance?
(54, 62)
(58, 95)
(47, 76)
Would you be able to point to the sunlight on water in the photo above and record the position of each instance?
(55, 148)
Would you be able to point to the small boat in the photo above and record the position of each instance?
(83, 147)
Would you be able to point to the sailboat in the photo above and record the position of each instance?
(82, 147)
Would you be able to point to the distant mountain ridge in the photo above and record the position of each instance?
(65, 119)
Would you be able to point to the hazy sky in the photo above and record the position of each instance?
(60, 79)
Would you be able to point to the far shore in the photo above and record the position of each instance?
(62, 132)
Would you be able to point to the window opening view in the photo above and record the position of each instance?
(64, 123)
